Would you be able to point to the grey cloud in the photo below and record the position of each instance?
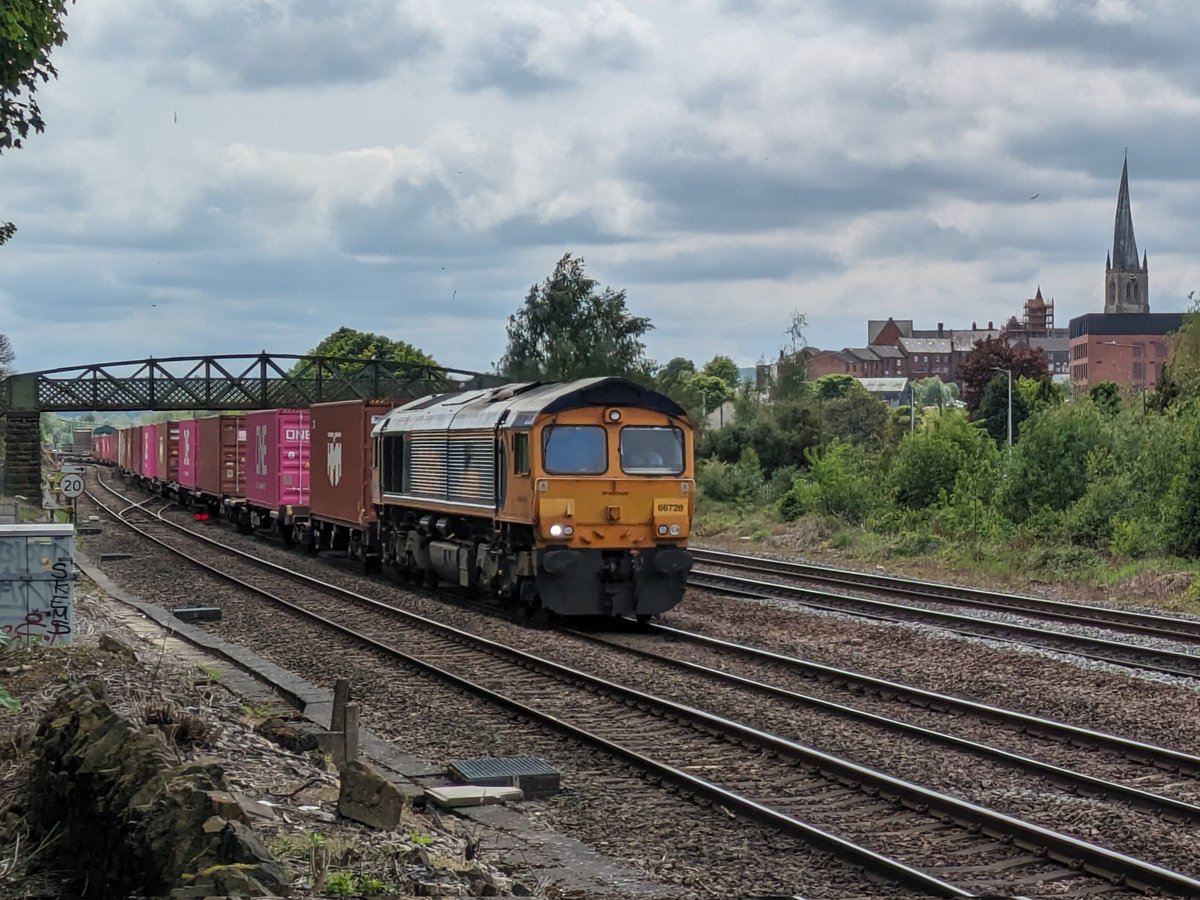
(1163, 39)
(728, 263)
(527, 58)
(258, 44)
(502, 60)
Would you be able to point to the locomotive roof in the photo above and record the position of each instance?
(518, 405)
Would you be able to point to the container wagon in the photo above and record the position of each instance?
(167, 461)
(341, 512)
(81, 442)
(277, 480)
(213, 463)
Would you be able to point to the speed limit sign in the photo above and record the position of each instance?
(71, 485)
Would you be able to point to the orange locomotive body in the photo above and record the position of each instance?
(574, 498)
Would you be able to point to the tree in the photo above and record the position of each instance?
(349, 343)
(726, 369)
(934, 392)
(29, 30)
(709, 390)
(567, 330)
(856, 418)
(674, 375)
(979, 367)
(830, 387)
(1107, 397)
(1048, 468)
(7, 355)
(993, 409)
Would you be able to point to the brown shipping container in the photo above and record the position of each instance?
(168, 452)
(341, 454)
(221, 456)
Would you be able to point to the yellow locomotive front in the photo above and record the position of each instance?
(571, 498)
(612, 509)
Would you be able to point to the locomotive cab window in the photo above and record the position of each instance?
(521, 453)
(651, 450)
(575, 450)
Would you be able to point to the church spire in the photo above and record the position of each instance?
(1124, 252)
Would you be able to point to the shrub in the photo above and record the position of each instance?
(926, 465)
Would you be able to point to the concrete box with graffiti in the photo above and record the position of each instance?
(37, 582)
(341, 461)
(277, 459)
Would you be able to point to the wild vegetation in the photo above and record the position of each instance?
(1092, 488)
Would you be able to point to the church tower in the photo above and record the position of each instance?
(1126, 282)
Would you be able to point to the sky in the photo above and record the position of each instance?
(231, 176)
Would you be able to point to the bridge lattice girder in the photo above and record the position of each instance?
(232, 382)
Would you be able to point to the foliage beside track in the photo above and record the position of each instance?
(1090, 492)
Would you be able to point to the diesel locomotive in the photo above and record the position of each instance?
(573, 498)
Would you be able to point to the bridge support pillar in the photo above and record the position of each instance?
(23, 455)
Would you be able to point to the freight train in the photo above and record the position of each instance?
(569, 498)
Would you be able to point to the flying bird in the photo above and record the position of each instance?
(1035, 196)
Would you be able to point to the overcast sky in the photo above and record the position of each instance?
(223, 176)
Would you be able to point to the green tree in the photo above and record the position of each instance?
(351, 344)
(7, 355)
(674, 375)
(926, 464)
(726, 369)
(567, 329)
(934, 392)
(1048, 468)
(709, 390)
(993, 409)
(1107, 397)
(1183, 503)
(29, 30)
(856, 418)
(830, 387)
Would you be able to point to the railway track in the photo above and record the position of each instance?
(1159, 659)
(899, 831)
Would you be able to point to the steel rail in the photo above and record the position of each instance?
(1133, 622)
(1152, 754)
(1177, 810)
(1077, 645)
(1073, 852)
(871, 861)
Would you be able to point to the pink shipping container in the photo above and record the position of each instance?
(149, 464)
(189, 446)
(277, 458)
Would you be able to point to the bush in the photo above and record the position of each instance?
(926, 465)
(838, 484)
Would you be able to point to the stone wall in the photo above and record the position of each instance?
(130, 818)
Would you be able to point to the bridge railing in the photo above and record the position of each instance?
(229, 382)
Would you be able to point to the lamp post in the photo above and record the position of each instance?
(1007, 372)
(1138, 349)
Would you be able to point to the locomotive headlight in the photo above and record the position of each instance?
(675, 529)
